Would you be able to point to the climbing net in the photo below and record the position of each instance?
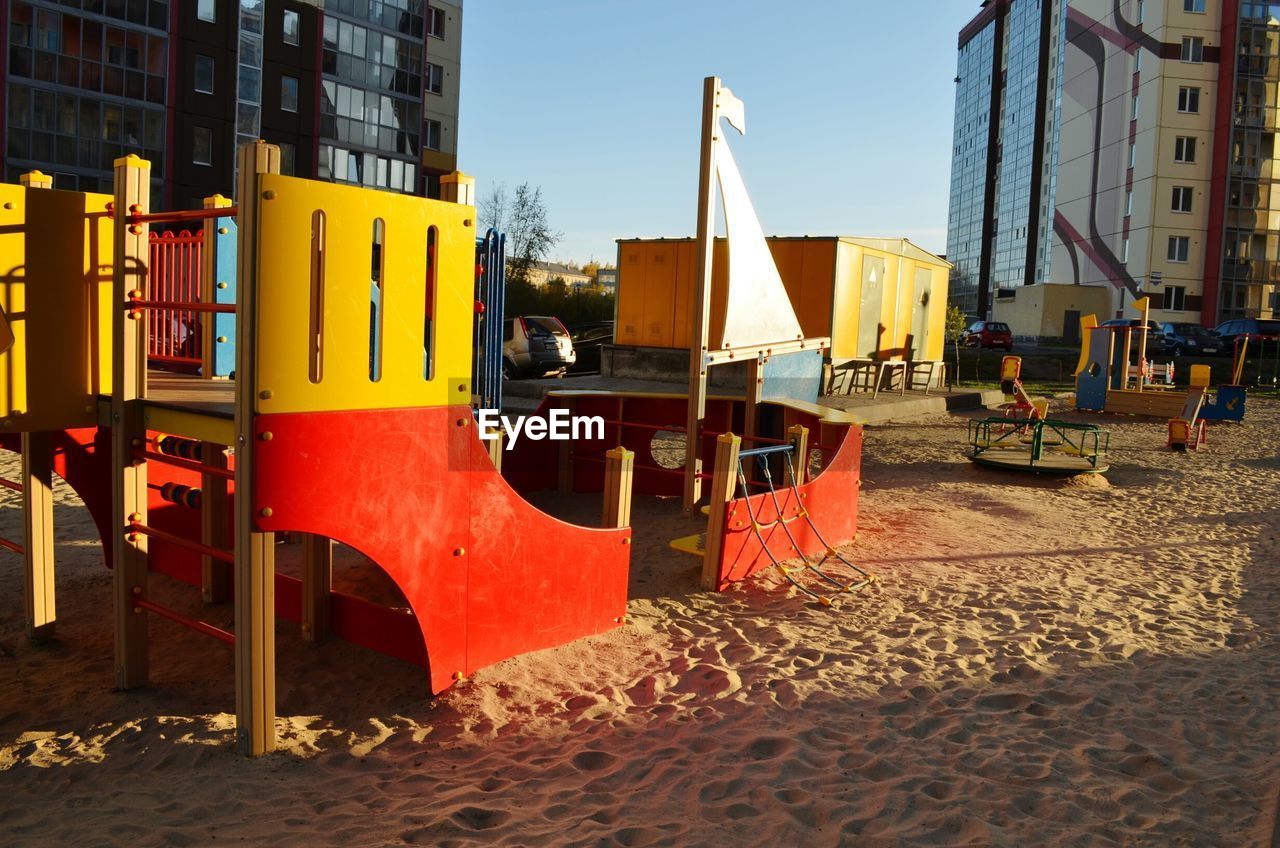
(816, 564)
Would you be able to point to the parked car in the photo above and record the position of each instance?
(1181, 339)
(1229, 330)
(588, 341)
(534, 346)
(989, 334)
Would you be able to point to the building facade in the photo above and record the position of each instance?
(1125, 144)
(356, 92)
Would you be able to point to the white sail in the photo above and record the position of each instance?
(757, 309)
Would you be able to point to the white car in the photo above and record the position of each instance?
(534, 346)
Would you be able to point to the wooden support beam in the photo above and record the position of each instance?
(723, 481)
(317, 585)
(457, 187)
(619, 466)
(254, 550)
(700, 341)
(494, 447)
(129, 388)
(37, 510)
(215, 575)
(798, 435)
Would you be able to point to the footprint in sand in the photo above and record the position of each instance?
(769, 747)
(593, 760)
(478, 818)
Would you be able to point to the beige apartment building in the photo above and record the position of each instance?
(1126, 145)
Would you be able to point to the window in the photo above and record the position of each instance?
(1133, 154)
(1182, 198)
(1124, 251)
(1188, 99)
(207, 10)
(1179, 248)
(1128, 203)
(1184, 149)
(204, 74)
(289, 93)
(1195, 6)
(287, 155)
(1175, 297)
(1140, 12)
(431, 137)
(1192, 49)
(202, 146)
(1133, 113)
(435, 79)
(435, 22)
(290, 27)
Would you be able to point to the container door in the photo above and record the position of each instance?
(869, 327)
(920, 314)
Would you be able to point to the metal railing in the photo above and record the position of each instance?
(175, 334)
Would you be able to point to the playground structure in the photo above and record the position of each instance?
(358, 337)
(1023, 438)
(1107, 368)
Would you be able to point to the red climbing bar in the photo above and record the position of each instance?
(11, 545)
(178, 462)
(183, 215)
(216, 553)
(9, 484)
(187, 305)
(194, 624)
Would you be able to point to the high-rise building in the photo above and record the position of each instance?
(1126, 144)
(356, 91)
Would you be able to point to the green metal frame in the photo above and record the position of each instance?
(1088, 441)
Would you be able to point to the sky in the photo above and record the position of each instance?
(848, 110)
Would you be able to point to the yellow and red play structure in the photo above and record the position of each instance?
(342, 423)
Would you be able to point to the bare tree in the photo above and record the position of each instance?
(522, 215)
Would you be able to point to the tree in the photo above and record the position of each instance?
(522, 215)
(955, 327)
(591, 269)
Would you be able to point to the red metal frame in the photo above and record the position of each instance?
(11, 545)
(9, 484)
(185, 621)
(175, 331)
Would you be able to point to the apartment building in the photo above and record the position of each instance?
(1126, 145)
(356, 92)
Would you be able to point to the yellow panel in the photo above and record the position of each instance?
(55, 287)
(284, 298)
(814, 308)
(847, 301)
(686, 271)
(630, 303)
(190, 425)
(659, 294)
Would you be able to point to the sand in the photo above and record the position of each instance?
(1081, 662)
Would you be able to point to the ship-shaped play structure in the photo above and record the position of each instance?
(351, 418)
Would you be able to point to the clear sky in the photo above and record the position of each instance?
(848, 106)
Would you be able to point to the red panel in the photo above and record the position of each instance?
(831, 499)
(417, 494)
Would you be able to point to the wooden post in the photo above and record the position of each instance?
(494, 447)
(798, 435)
(317, 584)
(619, 465)
(1128, 351)
(700, 340)
(254, 550)
(723, 481)
(1143, 306)
(37, 507)
(208, 286)
(129, 388)
(37, 510)
(215, 575)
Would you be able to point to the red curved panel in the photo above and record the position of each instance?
(488, 576)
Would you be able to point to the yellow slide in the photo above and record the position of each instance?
(1087, 323)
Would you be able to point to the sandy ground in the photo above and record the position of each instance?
(1043, 663)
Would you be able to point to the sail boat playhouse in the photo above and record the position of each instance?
(778, 472)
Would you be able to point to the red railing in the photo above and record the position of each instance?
(175, 278)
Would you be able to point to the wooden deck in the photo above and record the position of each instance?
(188, 406)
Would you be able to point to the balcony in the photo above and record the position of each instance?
(1251, 270)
